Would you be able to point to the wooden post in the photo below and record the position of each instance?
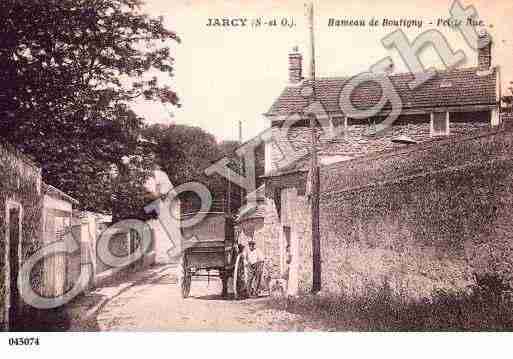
(242, 171)
(314, 173)
(315, 189)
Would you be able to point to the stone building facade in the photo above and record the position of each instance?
(167, 206)
(60, 271)
(21, 206)
(452, 102)
(450, 108)
(33, 214)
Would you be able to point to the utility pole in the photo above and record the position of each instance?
(314, 170)
(240, 132)
(241, 165)
(229, 178)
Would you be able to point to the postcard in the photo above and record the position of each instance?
(262, 166)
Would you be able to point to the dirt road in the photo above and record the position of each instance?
(157, 305)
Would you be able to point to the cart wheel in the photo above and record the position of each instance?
(239, 279)
(186, 280)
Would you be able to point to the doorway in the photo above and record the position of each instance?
(13, 232)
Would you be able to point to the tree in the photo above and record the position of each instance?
(129, 194)
(70, 70)
(184, 152)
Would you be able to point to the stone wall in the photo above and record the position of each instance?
(21, 184)
(421, 217)
(284, 240)
(296, 214)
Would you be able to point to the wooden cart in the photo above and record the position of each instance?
(215, 254)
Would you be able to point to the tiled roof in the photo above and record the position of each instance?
(458, 87)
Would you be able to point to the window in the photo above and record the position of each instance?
(439, 123)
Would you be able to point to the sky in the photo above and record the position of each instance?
(224, 75)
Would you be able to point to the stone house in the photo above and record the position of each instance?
(60, 271)
(33, 215)
(447, 109)
(88, 227)
(453, 102)
(167, 204)
(21, 211)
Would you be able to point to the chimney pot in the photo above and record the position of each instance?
(295, 66)
(484, 51)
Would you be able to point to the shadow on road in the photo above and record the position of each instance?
(212, 297)
(71, 317)
(229, 297)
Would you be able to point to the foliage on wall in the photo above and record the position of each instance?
(19, 182)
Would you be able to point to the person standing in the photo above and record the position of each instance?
(255, 261)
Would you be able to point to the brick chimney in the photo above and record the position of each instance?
(484, 51)
(295, 66)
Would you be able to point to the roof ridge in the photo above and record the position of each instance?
(469, 84)
(438, 71)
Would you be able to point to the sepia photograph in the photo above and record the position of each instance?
(255, 166)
